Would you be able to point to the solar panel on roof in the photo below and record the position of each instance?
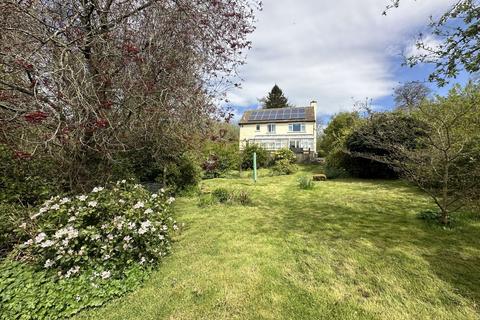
(281, 114)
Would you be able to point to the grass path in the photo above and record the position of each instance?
(345, 250)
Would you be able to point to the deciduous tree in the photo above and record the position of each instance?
(85, 79)
(444, 158)
(410, 95)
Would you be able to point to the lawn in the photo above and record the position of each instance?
(348, 249)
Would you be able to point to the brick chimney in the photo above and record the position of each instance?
(314, 105)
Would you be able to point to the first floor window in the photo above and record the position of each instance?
(296, 127)
(257, 127)
(271, 128)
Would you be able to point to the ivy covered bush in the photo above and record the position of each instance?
(105, 231)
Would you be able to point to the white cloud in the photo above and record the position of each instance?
(429, 42)
(330, 51)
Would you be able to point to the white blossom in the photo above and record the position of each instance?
(48, 263)
(148, 211)
(92, 204)
(145, 224)
(127, 238)
(68, 232)
(72, 271)
(154, 195)
(55, 207)
(162, 190)
(95, 237)
(97, 189)
(64, 200)
(47, 243)
(142, 260)
(40, 237)
(139, 205)
(71, 219)
(28, 243)
(82, 197)
(105, 274)
(170, 200)
(123, 181)
(121, 201)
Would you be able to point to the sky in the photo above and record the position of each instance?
(335, 52)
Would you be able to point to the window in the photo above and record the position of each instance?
(296, 127)
(295, 144)
(307, 144)
(271, 128)
(257, 127)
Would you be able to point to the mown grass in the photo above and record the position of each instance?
(348, 249)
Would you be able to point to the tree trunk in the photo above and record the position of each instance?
(164, 183)
(444, 219)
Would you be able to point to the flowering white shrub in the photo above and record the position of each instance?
(105, 230)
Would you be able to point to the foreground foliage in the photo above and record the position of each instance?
(106, 230)
(29, 293)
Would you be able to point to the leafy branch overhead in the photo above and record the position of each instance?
(456, 46)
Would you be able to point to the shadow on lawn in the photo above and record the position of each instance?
(390, 225)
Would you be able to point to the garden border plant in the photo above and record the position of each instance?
(91, 247)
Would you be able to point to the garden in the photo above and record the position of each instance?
(124, 193)
(345, 249)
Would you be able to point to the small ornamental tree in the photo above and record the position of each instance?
(275, 99)
(444, 160)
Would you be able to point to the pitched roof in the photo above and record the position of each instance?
(304, 114)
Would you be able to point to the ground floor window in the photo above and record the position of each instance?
(276, 144)
(294, 143)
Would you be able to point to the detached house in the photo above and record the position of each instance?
(273, 129)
